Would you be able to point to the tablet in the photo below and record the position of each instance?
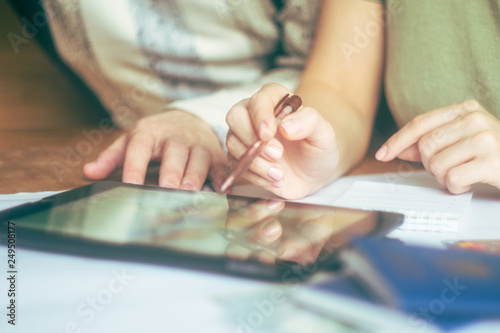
(259, 238)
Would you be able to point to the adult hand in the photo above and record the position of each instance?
(186, 146)
(302, 154)
(458, 144)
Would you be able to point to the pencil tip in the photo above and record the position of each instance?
(226, 185)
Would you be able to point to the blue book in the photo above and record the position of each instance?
(433, 284)
(387, 286)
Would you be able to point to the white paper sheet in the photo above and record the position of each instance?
(425, 209)
(11, 200)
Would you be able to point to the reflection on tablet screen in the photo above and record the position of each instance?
(205, 223)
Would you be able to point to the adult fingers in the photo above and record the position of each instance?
(449, 137)
(460, 178)
(108, 160)
(481, 169)
(480, 146)
(421, 125)
(446, 135)
(440, 163)
(411, 154)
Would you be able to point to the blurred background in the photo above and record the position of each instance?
(36, 92)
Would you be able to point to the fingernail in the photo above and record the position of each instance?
(271, 228)
(90, 164)
(291, 126)
(132, 181)
(278, 184)
(272, 152)
(274, 205)
(188, 186)
(381, 153)
(275, 173)
(289, 253)
(167, 184)
(264, 132)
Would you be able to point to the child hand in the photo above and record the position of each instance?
(186, 146)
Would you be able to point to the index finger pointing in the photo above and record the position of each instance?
(422, 124)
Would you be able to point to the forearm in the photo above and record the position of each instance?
(345, 87)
